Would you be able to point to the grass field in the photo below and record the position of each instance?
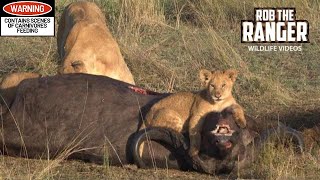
(165, 43)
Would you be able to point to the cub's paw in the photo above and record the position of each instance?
(242, 123)
(240, 119)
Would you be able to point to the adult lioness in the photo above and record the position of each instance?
(86, 45)
(185, 111)
(8, 88)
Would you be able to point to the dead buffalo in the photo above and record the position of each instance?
(85, 116)
(81, 116)
(95, 118)
(225, 147)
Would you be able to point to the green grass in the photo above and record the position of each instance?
(166, 42)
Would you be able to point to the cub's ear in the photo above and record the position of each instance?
(232, 73)
(204, 76)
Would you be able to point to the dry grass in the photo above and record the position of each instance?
(166, 42)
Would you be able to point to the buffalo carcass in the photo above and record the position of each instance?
(80, 116)
(225, 147)
(94, 118)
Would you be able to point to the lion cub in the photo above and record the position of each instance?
(185, 111)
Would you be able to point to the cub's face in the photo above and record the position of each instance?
(218, 83)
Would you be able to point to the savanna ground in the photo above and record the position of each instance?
(165, 43)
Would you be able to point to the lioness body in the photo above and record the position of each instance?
(86, 45)
(185, 112)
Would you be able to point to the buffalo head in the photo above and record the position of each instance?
(221, 144)
(224, 145)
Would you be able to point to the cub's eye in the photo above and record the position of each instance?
(223, 85)
(212, 86)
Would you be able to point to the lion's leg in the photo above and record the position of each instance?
(143, 126)
(238, 115)
(165, 118)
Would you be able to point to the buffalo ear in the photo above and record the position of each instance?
(204, 76)
(232, 73)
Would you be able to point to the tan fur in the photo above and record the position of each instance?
(86, 45)
(8, 87)
(185, 111)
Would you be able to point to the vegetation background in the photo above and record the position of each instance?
(165, 43)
